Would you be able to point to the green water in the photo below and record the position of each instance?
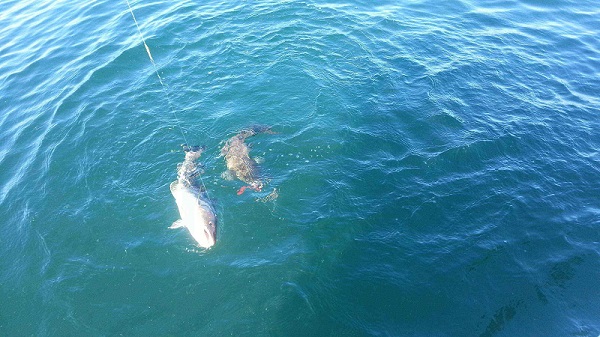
(436, 165)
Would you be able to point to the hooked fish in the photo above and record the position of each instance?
(195, 208)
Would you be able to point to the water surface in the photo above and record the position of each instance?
(437, 166)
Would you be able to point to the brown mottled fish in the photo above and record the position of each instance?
(239, 163)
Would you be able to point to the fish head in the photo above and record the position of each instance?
(257, 185)
(197, 214)
(204, 229)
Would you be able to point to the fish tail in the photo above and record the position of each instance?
(193, 152)
(255, 129)
(194, 148)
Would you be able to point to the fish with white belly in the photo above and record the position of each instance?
(195, 208)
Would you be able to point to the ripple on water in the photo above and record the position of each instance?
(428, 157)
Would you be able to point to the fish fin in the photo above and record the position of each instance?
(262, 129)
(177, 224)
(225, 149)
(193, 148)
(192, 153)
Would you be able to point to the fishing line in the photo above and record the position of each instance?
(164, 87)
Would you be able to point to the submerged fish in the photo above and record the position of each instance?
(238, 160)
(197, 213)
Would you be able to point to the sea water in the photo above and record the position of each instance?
(436, 167)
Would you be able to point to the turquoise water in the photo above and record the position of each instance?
(437, 164)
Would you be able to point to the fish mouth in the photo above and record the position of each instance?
(210, 239)
(207, 238)
(257, 186)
